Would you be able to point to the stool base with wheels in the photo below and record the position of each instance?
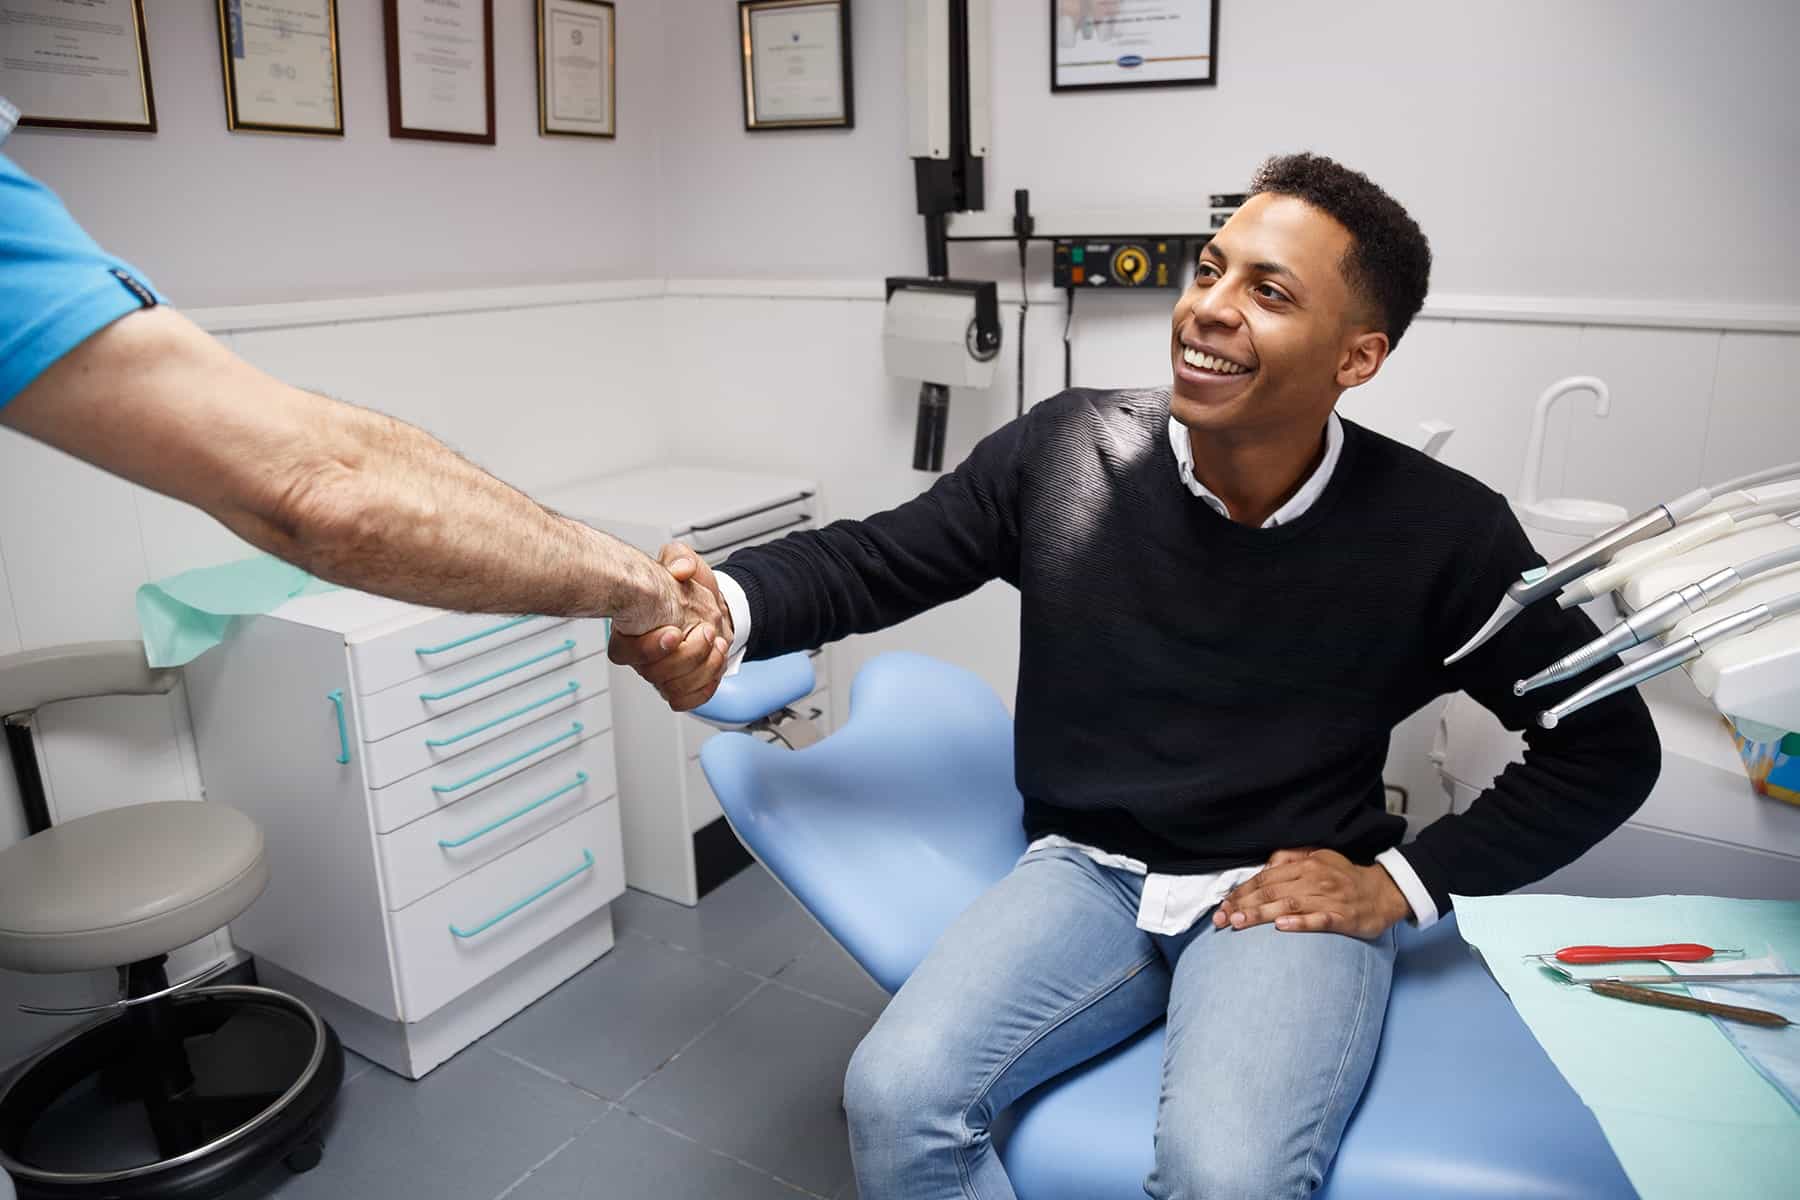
(175, 1091)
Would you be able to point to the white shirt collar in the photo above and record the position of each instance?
(1302, 500)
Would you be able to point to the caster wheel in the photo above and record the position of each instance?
(305, 1156)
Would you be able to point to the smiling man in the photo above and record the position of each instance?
(1229, 598)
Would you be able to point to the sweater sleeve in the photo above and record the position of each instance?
(1577, 783)
(820, 585)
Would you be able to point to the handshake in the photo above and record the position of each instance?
(681, 639)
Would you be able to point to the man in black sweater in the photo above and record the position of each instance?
(1229, 598)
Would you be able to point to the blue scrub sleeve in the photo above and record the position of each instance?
(57, 286)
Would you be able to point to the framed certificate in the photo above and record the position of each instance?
(576, 85)
(78, 67)
(1133, 43)
(281, 66)
(796, 64)
(440, 70)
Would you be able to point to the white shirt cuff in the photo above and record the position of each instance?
(1418, 896)
(738, 605)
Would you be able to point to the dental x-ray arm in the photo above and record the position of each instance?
(1540, 582)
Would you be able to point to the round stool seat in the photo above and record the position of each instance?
(125, 885)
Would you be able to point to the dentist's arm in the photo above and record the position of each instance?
(352, 496)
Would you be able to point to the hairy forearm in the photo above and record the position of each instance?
(390, 509)
(353, 496)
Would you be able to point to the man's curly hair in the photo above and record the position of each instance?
(1389, 262)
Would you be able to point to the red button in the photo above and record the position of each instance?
(1077, 275)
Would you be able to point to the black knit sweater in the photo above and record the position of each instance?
(1198, 694)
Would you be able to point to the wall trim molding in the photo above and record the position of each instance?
(1546, 310)
(301, 313)
(1543, 310)
(1643, 314)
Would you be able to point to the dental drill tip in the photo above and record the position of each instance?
(1569, 599)
(1503, 616)
(1556, 672)
(1548, 719)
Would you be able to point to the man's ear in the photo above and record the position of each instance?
(1362, 358)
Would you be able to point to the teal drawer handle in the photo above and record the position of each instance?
(337, 697)
(581, 777)
(429, 697)
(473, 637)
(559, 694)
(587, 864)
(575, 728)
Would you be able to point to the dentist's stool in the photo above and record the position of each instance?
(173, 1092)
(889, 828)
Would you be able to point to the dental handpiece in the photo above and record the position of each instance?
(1539, 582)
(1689, 535)
(1658, 617)
(1671, 656)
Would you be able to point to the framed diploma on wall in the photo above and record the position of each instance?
(577, 89)
(78, 66)
(796, 64)
(1133, 43)
(440, 70)
(281, 66)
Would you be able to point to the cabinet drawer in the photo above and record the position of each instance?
(497, 762)
(492, 917)
(452, 737)
(454, 688)
(382, 661)
(778, 517)
(723, 554)
(436, 850)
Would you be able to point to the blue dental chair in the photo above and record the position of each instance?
(889, 828)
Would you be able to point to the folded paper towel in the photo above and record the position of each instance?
(188, 614)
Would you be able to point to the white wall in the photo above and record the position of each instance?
(215, 217)
(1639, 148)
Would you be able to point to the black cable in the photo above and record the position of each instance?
(1067, 350)
(1023, 225)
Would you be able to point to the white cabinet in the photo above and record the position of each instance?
(677, 844)
(438, 796)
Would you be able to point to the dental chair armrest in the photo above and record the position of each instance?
(758, 689)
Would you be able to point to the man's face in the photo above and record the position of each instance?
(1260, 338)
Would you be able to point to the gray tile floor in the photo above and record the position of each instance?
(702, 1058)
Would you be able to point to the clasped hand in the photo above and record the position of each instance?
(1315, 891)
(684, 661)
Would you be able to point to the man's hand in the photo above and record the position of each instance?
(1315, 891)
(683, 661)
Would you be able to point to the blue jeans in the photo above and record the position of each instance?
(1270, 1039)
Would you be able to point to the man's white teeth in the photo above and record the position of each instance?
(1206, 362)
